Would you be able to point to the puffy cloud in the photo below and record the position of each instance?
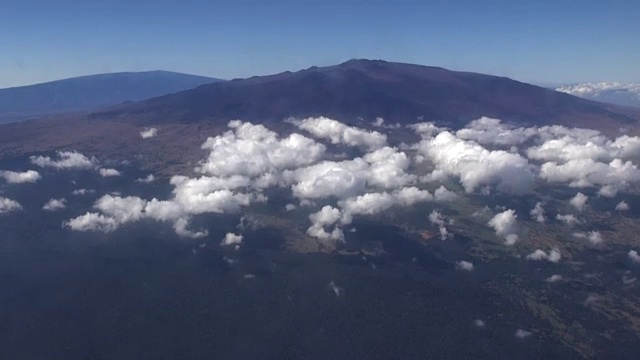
(522, 334)
(464, 265)
(339, 133)
(66, 160)
(437, 219)
(554, 278)
(595, 238)
(108, 172)
(146, 180)
(479, 323)
(290, 207)
(587, 172)
(253, 150)
(476, 166)
(488, 131)
(622, 206)
(181, 228)
(13, 177)
(626, 94)
(374, 203)
(82, 191)
(384, 168)
(538, 213)
(633, 255)
(504, 224)
(553, 256)
(579, 201)
(92, 222)
(232, 239)
(148, 133)
(426, 129)
(568, 219)
(327, 216)
(8, 205)
(55, 205)
(442, 194)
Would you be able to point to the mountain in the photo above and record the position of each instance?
(610, 92)
(371, 88)
(90, 92)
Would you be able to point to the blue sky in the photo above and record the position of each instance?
(544, 41)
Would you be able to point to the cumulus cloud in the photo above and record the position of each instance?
(8, 205)
(522, 334)
(65, 160)
(504, 224)
(339, 133)
(633, 255)
(232, 239)
(568, 219)
(13, 177)
(595, 238)
(476, 166)
(55, 205)
(488, 131)
(148, 133)
(437, 219)
(553, 256)
(82, 191)
(290, 207)
(108, 172)
(554, 278)
(479, 323)
(146, 180)
(579, 201)
(327, 216)
(464, 265)
(622, 206)
(604, 90)
(538, 213)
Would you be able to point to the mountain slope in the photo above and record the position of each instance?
(368, 89)
(90, 92)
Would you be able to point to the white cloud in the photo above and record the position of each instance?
(290, 207)
(568, 219)
(504, 224)
(146, 180)
(437, 219)
(327, 216)
(442, 194)
(108, 172)
(522, 334)
(8, 205)
(596, 90)
(538, 213)
(339, 133)
(148, 133)
(554, 278)
(83, 191)
(488, 131)
(66, 160)
(374, 203)
(180, 227)
(479, 323)
(464, 265)
(622, 206)
(633, 255)
(13, 177)
(553, 256)
(232, 239)
(595, 238)
(579, 201)
(92, 222)
(476, 166)
(55, 205)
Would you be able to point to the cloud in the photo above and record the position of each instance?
(146, 180)
(148, 133)
(553, 256)
(8, 205)
(290, 207)
(339, 133)
(337, 290)
(232, 239)
(633, 255)
(55, 205)
(374, 203)
(180, 227)
(13, 177)
(92, 222)
(437, 219)
(464, 265)
(568, 219)
(622, 206)
(538, 213)
(579, 201)
(554, 278)
(327, 216)
(479, 323)
(595, 238)
(83, 191)
(108, 172)
(504, 224)
(522, 334)
(595, 90)
(66, 160)
(476, 166)
(488, 131)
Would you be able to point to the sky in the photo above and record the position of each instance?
(549, 42)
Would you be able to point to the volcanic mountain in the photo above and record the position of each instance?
(366, 89)
(91, 92)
